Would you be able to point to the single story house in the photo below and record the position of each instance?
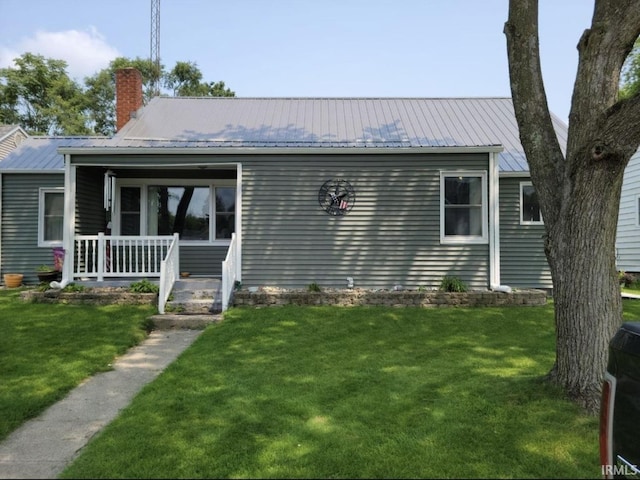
(283, 192)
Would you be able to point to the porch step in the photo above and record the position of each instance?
(172, 321)
(197, 306)
(197, 296)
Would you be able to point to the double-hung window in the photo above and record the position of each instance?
(463, 207)
(50, 216)
(529, 205)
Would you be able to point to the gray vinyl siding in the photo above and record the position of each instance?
(628, 238)
(20, 251)
(523, 263)
(203, 261)
(391, 236)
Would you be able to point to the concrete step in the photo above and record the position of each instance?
(189, 306)
(172, 321)
(198, 294)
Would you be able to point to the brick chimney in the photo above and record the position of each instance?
(128, 95)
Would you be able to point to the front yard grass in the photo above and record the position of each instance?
(330, 392)
(48, 349)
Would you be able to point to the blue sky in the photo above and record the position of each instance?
(307, 48)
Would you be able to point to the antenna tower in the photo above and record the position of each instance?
(155, 45)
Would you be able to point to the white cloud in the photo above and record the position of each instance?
(86, 52)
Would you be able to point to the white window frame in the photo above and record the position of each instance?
(522, 220)
(143, 184)
(42, 192)
(637, 210)
(465, 239)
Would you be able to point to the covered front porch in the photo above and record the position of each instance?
(129, 219)
(107, 258)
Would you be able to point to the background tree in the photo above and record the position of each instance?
(39, 95)
(579, 191)
(101, 91)
(185, 79)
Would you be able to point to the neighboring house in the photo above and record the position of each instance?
(628, 238)
(427, 187)
(32, 205)
(10, 137)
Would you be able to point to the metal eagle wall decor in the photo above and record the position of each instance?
(336, 197)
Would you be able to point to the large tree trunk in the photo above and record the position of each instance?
(579, 190)
(588, 307)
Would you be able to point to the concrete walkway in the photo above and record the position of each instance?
(44, 446)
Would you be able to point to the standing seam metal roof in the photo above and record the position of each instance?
(376, 123)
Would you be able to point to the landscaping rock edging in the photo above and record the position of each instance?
(97, 297)
(402, 298)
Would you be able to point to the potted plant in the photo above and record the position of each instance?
(13, 280)
(47, 273)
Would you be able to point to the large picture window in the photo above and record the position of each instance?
(198, 213)
(182, 210)
(529, 205)
(50, 216)
(463, 203)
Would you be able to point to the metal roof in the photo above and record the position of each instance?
(204, 124)
(39, 154)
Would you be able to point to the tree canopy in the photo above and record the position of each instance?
(38, 94)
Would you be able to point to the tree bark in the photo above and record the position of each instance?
(579, 190)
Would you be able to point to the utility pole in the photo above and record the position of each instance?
(155, 45)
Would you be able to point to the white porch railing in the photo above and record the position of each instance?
(100, 256)
(169, 268)
(229, 272)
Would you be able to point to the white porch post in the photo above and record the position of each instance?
(101, 256)
(238, 228)
(68, 231)
(494, 220)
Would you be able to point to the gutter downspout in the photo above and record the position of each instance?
(494, 225)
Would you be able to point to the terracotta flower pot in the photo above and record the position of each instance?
(13, 280)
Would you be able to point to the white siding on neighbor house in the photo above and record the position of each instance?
(10, 142)
(628, 237)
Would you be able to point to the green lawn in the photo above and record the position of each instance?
(329, 392)
(47, 350)
(312, 392)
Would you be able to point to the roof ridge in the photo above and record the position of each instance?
(498, 97)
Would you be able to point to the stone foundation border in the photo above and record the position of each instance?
(402, 298)
(96, 297)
